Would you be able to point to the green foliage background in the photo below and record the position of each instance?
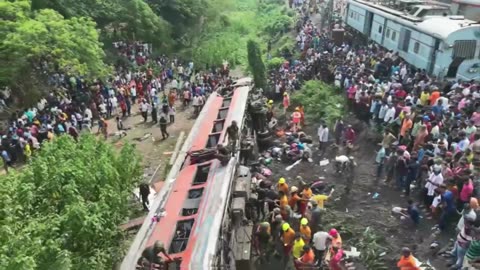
(226, 36)
(63, 210)
(321, 101)
(256, 64)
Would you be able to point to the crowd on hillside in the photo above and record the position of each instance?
(430, 143)
(150, 85)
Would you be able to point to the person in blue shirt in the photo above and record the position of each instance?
(448, 205)
(438, 109)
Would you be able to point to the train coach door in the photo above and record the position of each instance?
(368, 23)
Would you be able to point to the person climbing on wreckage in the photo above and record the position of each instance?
(151, 258)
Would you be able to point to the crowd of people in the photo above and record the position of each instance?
(149, 85)
(430, 143)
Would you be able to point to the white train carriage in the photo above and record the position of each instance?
(445, 46)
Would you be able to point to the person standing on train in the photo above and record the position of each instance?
(233, 135)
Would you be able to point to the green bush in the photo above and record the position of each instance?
(278, 24)
(275, 63)
(321, 101)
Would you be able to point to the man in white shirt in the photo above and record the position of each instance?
(390, 114)
(434, 181)
(322, 137)
(196, 105)
(320, 240)
(144, 106)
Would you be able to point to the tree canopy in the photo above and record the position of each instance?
(63, 210)
(130, 19)
(321, 101)
(256, 64)
(38, 43)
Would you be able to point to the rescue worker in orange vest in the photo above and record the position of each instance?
(306, 196)
(307, 261)
(283, 203)
(294, 198)
(296, 118)
(305, 230)
(336, 239)
(282, 185)
(407, 261)
(288, 236)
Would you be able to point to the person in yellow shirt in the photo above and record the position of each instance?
(298, 246)
(305, 230)
(27, 151)
(425, 97)
(282, 186)
(321, 198)
(288, 236)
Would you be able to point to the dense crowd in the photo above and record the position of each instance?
(151, 85)
(430, 143)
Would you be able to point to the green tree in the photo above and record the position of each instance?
(321, 101)
(130, 19)
(256, 64)
(37, 44)
(63, 210)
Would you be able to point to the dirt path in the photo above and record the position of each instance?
(155, 152)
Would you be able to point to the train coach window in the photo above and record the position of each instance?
(380, 28)
(182, 233)
(388, 33)
(218, 126)
(195, 193)
(222, 113)
(202, 174)
(189, 211)
(213, 140)
(394, 36)
(416, 47)
(226, 102)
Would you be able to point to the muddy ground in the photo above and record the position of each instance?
(355, 212)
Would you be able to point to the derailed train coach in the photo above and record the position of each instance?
(191, 215)
(445, 46)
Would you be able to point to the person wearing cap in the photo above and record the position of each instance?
(282, 185)
(407, 261)
(269, 110)
(296, 118)
(305, 230)
(336, 238)
(294, 198)
(287, 236)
